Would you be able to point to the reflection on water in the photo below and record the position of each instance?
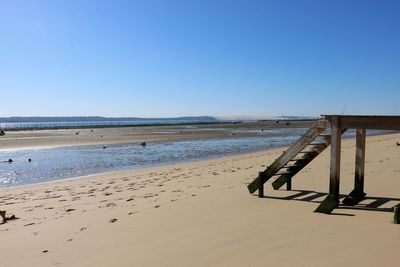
(67, 162)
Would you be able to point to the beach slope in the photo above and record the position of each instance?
(201, 214)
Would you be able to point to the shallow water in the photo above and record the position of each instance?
(67, 162)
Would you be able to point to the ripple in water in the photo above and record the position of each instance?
(67, 162)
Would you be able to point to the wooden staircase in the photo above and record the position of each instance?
(293, 160)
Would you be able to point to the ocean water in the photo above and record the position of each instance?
(67, 162)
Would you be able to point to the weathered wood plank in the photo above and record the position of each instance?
(292, 151)
(332, 200)
(368, 122)
(396, 215)
(354, 198)
(336, 140)
(289, 184)
(360, 160)
(358, 193)
(278, 183)
(328, 205)
(261, 187)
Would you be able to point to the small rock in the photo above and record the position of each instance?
(113, 220)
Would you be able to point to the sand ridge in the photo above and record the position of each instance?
(14, 140)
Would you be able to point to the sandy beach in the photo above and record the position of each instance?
(153, 133)
(201, 214)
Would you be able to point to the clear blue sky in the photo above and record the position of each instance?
(171, 58)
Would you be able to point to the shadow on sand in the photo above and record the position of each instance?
(369, 203)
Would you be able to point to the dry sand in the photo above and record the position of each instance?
(201, 214)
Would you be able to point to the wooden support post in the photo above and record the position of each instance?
(396, 216)
(360, 161)
(336, 140)
(358, 192)
(261, 185)
(289, 184)
(332, 200)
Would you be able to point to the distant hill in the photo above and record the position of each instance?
(99, 119)
(261, 118)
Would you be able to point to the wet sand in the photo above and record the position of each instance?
(201, 214)
(138, 134)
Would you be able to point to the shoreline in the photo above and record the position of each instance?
(147, 168)
(129, 169)
(126, 135)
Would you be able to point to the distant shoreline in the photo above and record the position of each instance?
(105, 126)
(114, 124)
(84, 122)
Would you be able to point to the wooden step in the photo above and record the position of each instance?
(324, 135)
(298, 159)
(283, 173)
(290, 153)
(317, 144)
(290, 166)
